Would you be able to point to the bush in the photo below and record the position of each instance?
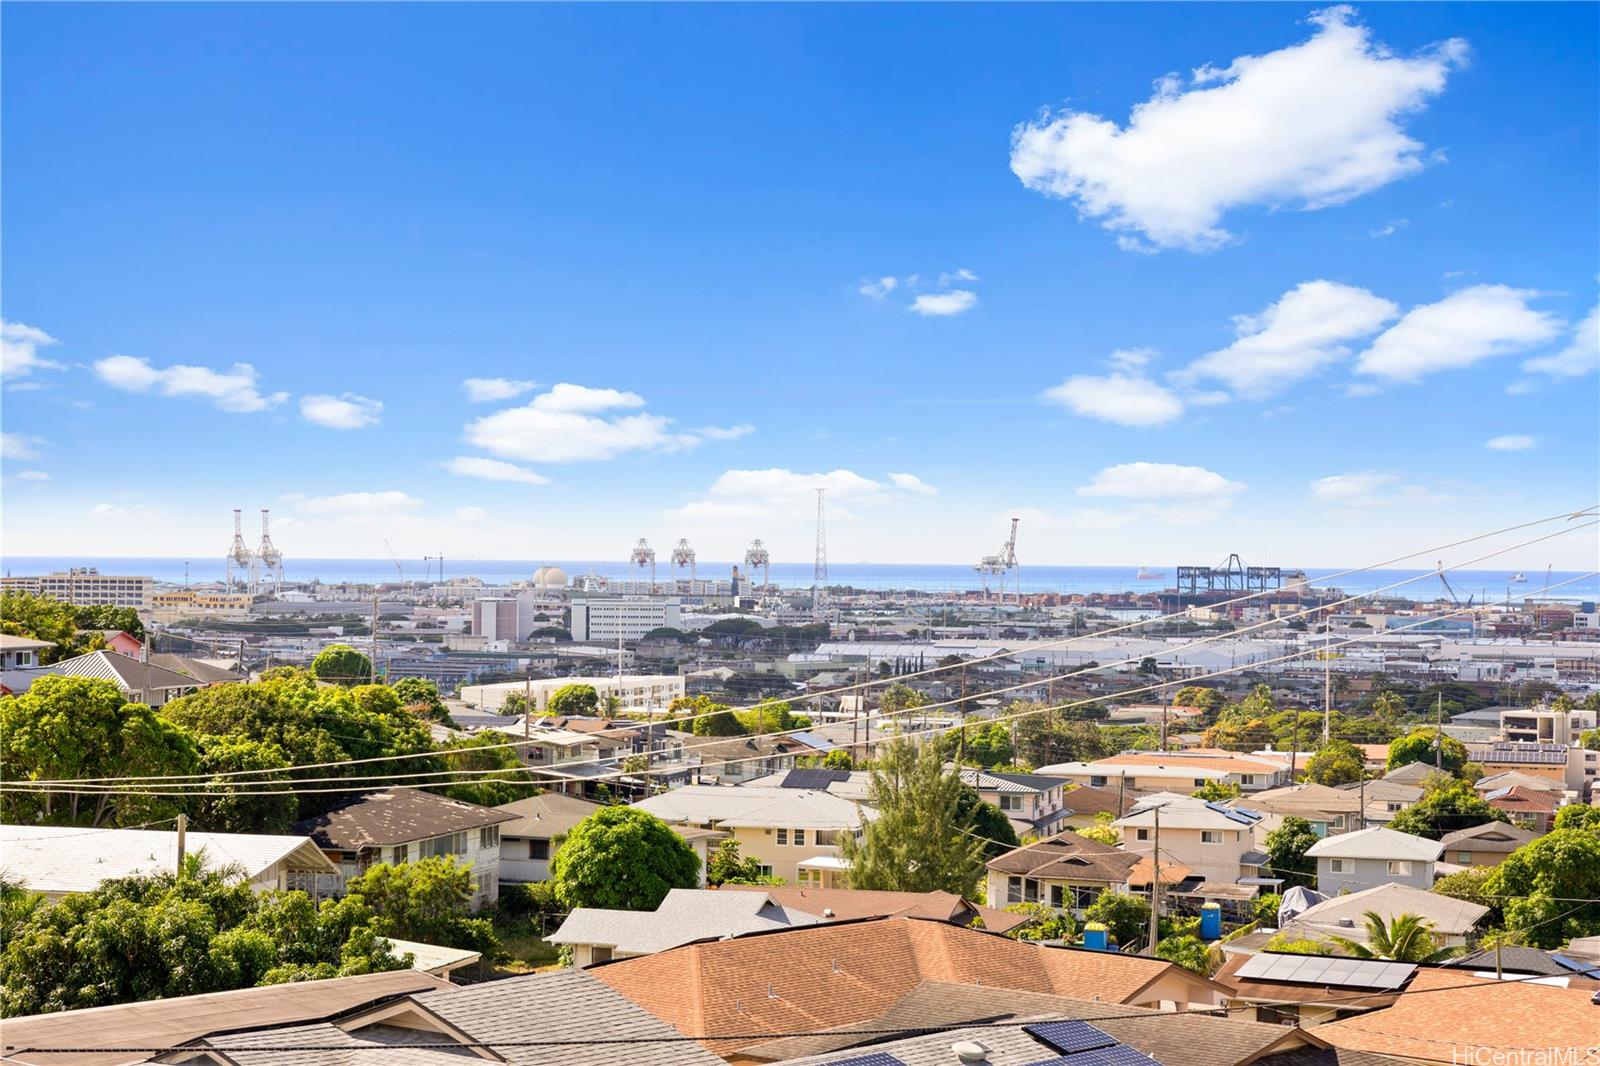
(1127, 917)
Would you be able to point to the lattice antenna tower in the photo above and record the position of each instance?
(819, 571)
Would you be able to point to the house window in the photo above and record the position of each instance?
(1210, 836)
(1336, 866)
(1097, 781)
(538, 849)
(1022, 890)
(1013, 890)
(1278, 1014)
(489, 836)
(1399, 868)
(1011, 803)
(1084, 897)
(486, 886)
(783, 836)
(824, 838)
(402, 853)
(1199, 782)
(1055, 895)
(766, 871)
(449, 844)
(799, 838)
(1338, 821)
(1142, 834)
(1464, 858)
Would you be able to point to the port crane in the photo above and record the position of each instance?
(1000, 564)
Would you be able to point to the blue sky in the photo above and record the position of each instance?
(1167, 281)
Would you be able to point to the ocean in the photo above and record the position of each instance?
(1483, 585)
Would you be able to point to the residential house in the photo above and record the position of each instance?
(1177, 771)
(685, 916)
(1308, 991)
(1484, 845)
(1534, 808)
(846, 784)
(733, 760)
(1508, 778)
(1514, 962)
(1034, 803)
(1383, 798)
(1536, 760)
(1065, 872)
(1210, 839)
(1329, 810)
(1085, 804)
(398, 825)
(57, 860)
(19, 662)
(1546, 725)
(207, 672)
(528, 842)
(1135, 779)
(845, 904)
(1366, 858)
(853, 974)
(793, 833)
(1412, 773)
(1453, 921)
(140, 682)
(122, 642)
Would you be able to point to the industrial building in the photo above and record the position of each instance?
(606, 620)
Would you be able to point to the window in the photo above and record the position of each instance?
(1055, 895)
(766, 871)
(538, 849)
(489, 836)
(783, 836)
(1013, 890)
(449, 844)
(1084, 897)
(1399, 868)
(1336, 866)
(824, 838)
(1464, 858)
(486, 886)
(1142, 834)
(1210, 836)
(799, 838)
(1338, 821)
(1199, 782)
(1010, 803)
(1097, 781)
(1277, 1014)
(402, 853)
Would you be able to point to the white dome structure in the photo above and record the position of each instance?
(550, 577)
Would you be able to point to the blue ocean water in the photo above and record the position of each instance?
(1484, 585)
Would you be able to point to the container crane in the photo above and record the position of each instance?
(1000, 564)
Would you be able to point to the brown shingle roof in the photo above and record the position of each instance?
(843, 973)
(1088, 799)
(1068, 857)
(545, 816)
(850, 903)
(395, 816)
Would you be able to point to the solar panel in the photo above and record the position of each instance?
(1115, 1055)
(877, 1058)
(1069, 1037)
(813, 777)
(1241, 816)
(1325, 970)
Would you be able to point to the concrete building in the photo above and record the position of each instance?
(495, 618)
(605, 620)
(638, 693)
(172, 605)
(1213, 841)
(1546, 725)
(86, 586)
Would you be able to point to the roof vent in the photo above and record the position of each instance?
(1348, 923)
(827, 912)
(970, 1051)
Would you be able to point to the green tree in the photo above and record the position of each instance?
(1475, 884)
(1590, 738)
(573, 700)
(428, 900)
(770, 717)
(1207, 700)
(1388, 707)
(986, 744)
(988, 822)
(838, 759)
(1286, 852)
(419, 696)
(1187, 951)
(105, 616)
(230, 807)
(1102, 832)
(721, 722)
(492, 773)
(901, 697)
(1218, 791)
(74, 728)
(1127, 917)
(1419, 746)
(1578, 816)
(622, 858)
(1541, 880)
(24, 614)
(919, 842)
(1044, 923)
(727, 867)
(1406, 938)
(342, 665)
(1044, 737)
(1284, 944)
(1453, 805)
(1338, 762)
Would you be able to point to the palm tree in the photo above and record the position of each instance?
(1405, 939)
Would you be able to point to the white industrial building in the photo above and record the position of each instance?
(642, 693)
(609, 619)
(85, 586)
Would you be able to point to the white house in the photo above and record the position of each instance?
(527, 843)
(1210, 839)
(1367, 858)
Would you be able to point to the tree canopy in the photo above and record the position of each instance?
(1419, 745)
(1286, 852)
(427, 901)
(1338, 762)
(1126, 917)
(71, 630)
(1540, 881)
(1450, 806)
(576, 699)
(342, 665)
(622, 858)
(988, 822)
(919, 842)
(1404, 938)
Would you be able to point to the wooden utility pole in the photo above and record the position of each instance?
(1438, 734)
(183, 834)
(373, 665)
(1155, 884)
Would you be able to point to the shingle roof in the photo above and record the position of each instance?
(1190, 813)
(1018, 784)
(841, 973)
(1230, 762)
(202, 671)
(1447, 914)
(165, 1022)
(1068, 857)
(1376, 843)
(1480, 1017)
(1088, 799)
(1306, 798)
(59, 859)
(746, 806)
(12, 642)
(848, 903)
(545, 816)
(684, 916)
(1412, 773)
(395, 816)
(1490, 836)
(1523, 960)
(1522, 799)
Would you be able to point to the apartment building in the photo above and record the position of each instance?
(640, 693)
(606, 620)
(86, 586)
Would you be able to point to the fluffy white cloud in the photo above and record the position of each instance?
(878, 288)
(1307, 328)
(235, 389)
(575, 423)
(1468, 326)
(1311, 125)
(19, 446)
(354, 503)
(913, 483)
(1125, 396)
(1510, 442)
(19, 350)
(941, 304)
(340, 412)
(1159, 482)
(33, 475)
(1580, 357)
(1370, 488)
(780, 495)
(951, 277)
(489, 390)
(494, 470)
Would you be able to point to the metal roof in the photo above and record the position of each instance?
(61, 859)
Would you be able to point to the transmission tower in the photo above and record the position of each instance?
(683, 556)
(819, 572)
(757, 557)
(270, 558)
(239, 555)
(998, 565)
(643, 556)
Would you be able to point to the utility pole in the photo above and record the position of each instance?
(1155, 885)
(374, 663)
(527, 707)
(1361, 815)
(1327, 690)
(183, 833)
(1438, 734)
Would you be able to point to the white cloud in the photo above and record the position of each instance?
(340, 412)
(1371, 488)
(1311, 125)
(19, 446)
(951, 277)
(233, 390)
(33, 475)
(110, 510)
(878, 288)
(566, 425)
(1510, 442)
(494, 470)
(19, 350)
(1580, 357)
(743, 429)
(489, 390)
(1306, 329)
(780, 495)
(354, 503)
(913, 483)
(1158, 482)
(1125, 396)
(471, 514)
(942, 304)
(1468, 326)
(1389, 229)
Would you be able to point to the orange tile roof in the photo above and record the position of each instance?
(1459, 1017)
(845, 973)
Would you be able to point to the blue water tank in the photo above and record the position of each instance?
(1211, 921)
(1096, 939)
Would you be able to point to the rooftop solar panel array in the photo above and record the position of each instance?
(814, 777)
(1115, 1055)
(876, 1058)
(1327, 971)
(1069, 1037)
(1240, 815)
